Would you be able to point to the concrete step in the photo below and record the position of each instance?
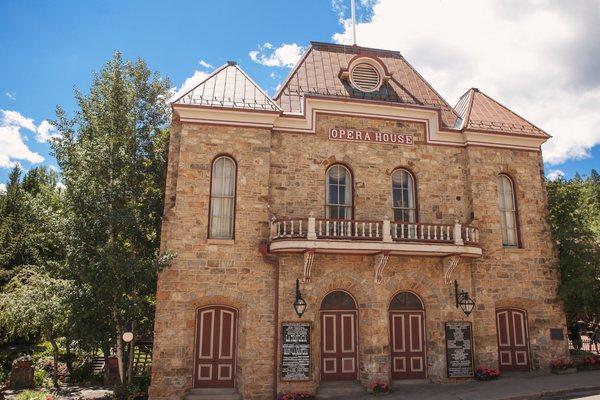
(213, 394)
(339, 390)
(399, 383)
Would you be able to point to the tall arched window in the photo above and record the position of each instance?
(403, 196)
(508, 211)
(222, 198)
(339, 193)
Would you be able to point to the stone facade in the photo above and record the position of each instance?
(282, 174)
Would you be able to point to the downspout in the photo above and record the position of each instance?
(263, 248)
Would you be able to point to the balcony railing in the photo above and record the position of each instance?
(324, 228)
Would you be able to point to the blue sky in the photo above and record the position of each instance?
(48, 48)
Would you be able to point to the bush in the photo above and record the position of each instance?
(379, 387)
(561, 364)
(486, 374)
(3, 376)
(42, 379)
(34, 395)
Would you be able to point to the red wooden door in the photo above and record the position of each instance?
(407, 342)
(339, 345)
(513, 340)
(215, 347)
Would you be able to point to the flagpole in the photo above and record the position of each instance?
(353, 4)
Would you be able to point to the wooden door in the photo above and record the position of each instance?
(214, 365)
(513, 340)
(339, 345)
(407, 344)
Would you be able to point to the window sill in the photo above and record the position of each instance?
(513, 248)
(226, 242)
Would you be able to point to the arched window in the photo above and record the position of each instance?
(403, 196)
(406, 301)
(508, 211)
(222, 198)
(339, 193)
(338, 300)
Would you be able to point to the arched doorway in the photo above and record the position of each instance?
(407, 336)
(513, 339)
(215, 350)
(339, 337)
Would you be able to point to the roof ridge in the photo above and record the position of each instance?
(257, 86)
(512, 112)
(344, 46)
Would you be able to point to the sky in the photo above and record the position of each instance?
(541, 58)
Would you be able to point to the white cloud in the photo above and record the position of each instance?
(204, 64)
(535, 57)
(2, 188)
(12, 143)
(189, 84)
(45, 132)
(554, 174)
(11, 95)
(286, 55)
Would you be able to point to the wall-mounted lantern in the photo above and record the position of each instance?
(463, 300)
(299, 304)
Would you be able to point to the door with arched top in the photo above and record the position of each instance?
(215, 353)
(407, 337)
(339, 337)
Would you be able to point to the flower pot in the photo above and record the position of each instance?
(567, 371)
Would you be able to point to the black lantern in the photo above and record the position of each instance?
(463, 300)
(299, 304)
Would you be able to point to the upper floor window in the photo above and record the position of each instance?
(338, 203)
(222, 198)
(508, 211)
(403, 196)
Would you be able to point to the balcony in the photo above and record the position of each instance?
(379, 238)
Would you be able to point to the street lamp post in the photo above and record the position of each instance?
(127, 338)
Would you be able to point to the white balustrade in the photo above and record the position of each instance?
(312, 228)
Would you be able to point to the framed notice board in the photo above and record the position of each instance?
(459, 349)
(295, 351)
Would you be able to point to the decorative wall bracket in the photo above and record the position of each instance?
(381, 260)
(450, 264)
(309, 258)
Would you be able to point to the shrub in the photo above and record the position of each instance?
(592, 360)
(486, 374)
(379, 387)
(561, 364)
(34, 395)
(3, 376)
(42, 379)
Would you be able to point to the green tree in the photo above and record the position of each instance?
(31, 222)
(112, 154)
(573, 217)
(35, 303)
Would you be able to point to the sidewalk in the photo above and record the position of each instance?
(511, 387)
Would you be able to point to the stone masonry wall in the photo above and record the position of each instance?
(214, 271)
(282, 174)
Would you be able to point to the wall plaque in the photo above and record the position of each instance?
(459, 349)
(557, 334)
(295, 351)
(354, 135)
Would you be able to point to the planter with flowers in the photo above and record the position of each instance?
(296, 396)
(486, 374)
(379, 388)
(563, 366)
(590, 362)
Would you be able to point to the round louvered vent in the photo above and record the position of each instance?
(365, 77)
